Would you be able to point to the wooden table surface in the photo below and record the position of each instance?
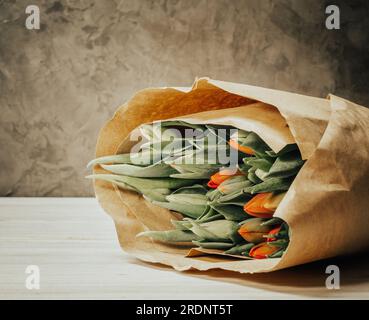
(73, 242)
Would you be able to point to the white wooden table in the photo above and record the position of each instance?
(73, 242)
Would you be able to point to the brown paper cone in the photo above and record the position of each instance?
(326, 206)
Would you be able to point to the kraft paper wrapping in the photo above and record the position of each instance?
(326, 206)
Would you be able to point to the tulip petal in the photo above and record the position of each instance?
(255, 207)
(263, 250)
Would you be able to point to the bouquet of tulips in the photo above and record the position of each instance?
(235, 177)
(227, 184)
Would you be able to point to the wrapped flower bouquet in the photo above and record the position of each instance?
(235, 177)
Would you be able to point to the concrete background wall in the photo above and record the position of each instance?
(59, 84)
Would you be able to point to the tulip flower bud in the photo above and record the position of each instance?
(248, 142)
(273, 232)
(216, 231)
(273, 201)
(263, 205)
(234, 184)
(221, 176)
(255, 207)
(253, 230)
(264, 250)
(234, 144)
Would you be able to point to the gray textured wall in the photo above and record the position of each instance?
(59, 84)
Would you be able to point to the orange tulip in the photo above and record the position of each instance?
(234, 144)
(253, 230)
(255, 207)
(221, 176)
(272, 232)
(212, 185)
(263, 250)
(263, 205)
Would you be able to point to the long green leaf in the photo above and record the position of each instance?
(252, 176)
(231, 212)
(270, 185)
(144, 184)
(286, 149)
(239, 249)
(213, 245)
(286, 165)
(158, 170)
(259, 163)
(192, 211)
(156, 194)
(238, 198)
(261, 174)
(170, 235)
(117, 158)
